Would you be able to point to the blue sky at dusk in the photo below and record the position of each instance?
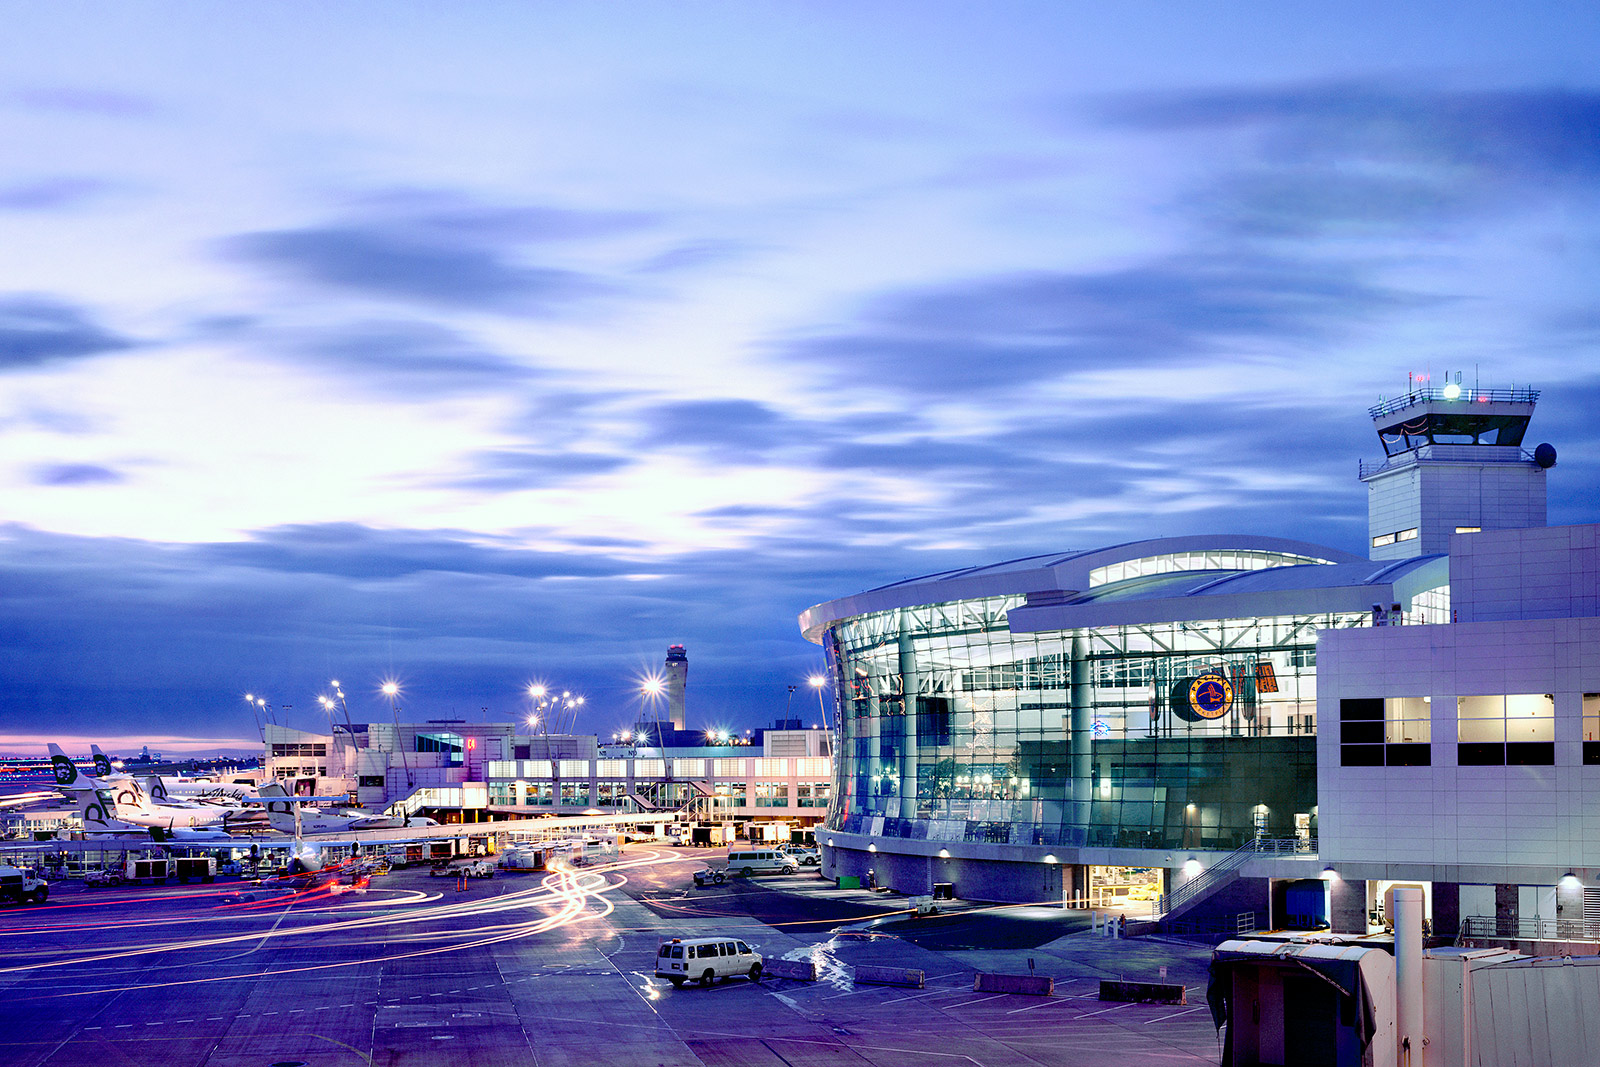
(473, 345)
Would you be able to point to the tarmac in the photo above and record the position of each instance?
(556, 971)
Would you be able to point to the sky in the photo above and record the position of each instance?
(471, 346)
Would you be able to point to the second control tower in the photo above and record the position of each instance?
(676, 677)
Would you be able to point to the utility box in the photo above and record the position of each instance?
(1313, 1005)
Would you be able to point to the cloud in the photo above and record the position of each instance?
(448, 212)
(51, 194)
(730, 430)
(411, 360)
(36, 330)
(76, 474)
(1004, 333)
(1529, 132)
(1336, 160)
(695, 255)
(398, 264)
(510, 471)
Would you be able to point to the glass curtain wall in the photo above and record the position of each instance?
(1195, 734)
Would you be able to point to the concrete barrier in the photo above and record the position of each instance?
(804, 970)
(898, 976)
(1143, 992)
(1034, 985)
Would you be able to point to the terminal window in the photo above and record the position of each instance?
(1517, 729)
(1385, 732)
(1591, 729)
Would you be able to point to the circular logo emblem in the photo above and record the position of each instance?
(1211, 695)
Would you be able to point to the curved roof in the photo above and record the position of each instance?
(1088, 589)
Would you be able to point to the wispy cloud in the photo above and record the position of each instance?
(76, 474)
(36, 330)
(52, 194)
(398, 265)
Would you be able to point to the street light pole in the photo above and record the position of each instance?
(817, 682)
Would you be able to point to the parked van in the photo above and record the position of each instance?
(705, 959)
(760, 861)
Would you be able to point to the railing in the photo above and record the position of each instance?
(1220, 928)
(1429, 394)
(1463, 453)
(1493, 928)
(1227, 868)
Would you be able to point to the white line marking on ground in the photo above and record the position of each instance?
(1102, 1011)
(980, 1000)
(1044, 1004)
(1174, 1015)
(919, 996)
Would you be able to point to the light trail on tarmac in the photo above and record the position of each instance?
(569, 892)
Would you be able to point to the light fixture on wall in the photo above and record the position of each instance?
(944, 853)
(1329, 873)
(872, 848)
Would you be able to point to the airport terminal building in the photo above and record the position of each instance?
(1247, 723)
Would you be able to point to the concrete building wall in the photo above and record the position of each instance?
(1548, 573)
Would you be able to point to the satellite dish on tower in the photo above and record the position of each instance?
(1545, 455)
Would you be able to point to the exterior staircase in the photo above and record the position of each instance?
(1219, 874)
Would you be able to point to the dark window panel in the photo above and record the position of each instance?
(1363, 708)
(1481, 754)
(1531, 754)
(1409, 755)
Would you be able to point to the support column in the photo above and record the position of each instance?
(910, 688)
(1080, 736)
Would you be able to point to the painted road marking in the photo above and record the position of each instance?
(1044, 1004)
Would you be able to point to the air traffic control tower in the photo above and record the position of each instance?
(1453, 463)
(676, 675)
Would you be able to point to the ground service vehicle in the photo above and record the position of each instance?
(705, 959)
(155, 870)
(23, 885)
(203, 868)
(805, 857)
(760, 861)
(480, 868)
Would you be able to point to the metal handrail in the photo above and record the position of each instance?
(1536, 928)
(1229, 865)
(1460, 453)
(1428, 394)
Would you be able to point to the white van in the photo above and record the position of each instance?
(760, 861)
(705, 959)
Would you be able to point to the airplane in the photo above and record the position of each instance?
(119, 802)
(287, 813)
(189, 794)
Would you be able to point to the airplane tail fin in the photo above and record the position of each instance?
(66, 772)
(102, 764)
(97, 810)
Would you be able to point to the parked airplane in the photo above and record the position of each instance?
(286, 812)
(120, 802)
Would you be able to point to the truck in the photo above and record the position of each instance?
(475, 868)
(23, 885)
